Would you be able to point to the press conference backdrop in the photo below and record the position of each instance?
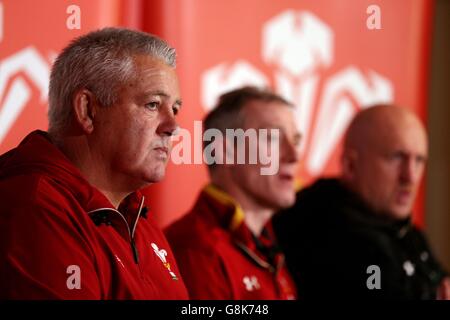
(330, 57)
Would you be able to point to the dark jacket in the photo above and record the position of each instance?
(331, 238)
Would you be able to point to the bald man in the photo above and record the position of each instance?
(351, 236)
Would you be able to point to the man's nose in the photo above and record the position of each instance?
(290, 151)
(167, 124)
(411, 171)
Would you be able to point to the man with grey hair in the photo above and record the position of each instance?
(73, 224)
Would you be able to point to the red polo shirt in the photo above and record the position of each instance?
(60, 238)
(219, 258)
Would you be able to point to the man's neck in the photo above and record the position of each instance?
(255, 215)
(92, 168)
(257, 219)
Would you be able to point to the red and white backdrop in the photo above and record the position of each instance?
(320, 54)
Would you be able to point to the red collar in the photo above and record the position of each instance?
(262, 249)
(36, 154)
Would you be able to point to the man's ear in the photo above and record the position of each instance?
(84, 110)
(348, 163)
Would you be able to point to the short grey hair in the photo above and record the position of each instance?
(100, 61)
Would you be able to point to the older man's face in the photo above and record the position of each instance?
(388, 171)
(135, 132)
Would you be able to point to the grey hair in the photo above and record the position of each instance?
(100, 61)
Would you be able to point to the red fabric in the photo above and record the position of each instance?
(45, 228)
(213, 263)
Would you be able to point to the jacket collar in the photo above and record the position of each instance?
(261, 250)
(231, 215)
(355, 209)
(36, 154)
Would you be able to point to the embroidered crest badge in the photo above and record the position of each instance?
(162, 254)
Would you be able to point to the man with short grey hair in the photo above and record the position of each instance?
(73, 224)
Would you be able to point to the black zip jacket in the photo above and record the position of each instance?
(332, 240)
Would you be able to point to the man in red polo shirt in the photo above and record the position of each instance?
(225, 246)
(72, 225)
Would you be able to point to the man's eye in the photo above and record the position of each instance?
(175, 110)
(297, 140)
(152, 105)
(396, 157)
(421, 159)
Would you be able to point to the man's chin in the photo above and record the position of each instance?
(400, 213)
(155, 176)
(284, 202)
